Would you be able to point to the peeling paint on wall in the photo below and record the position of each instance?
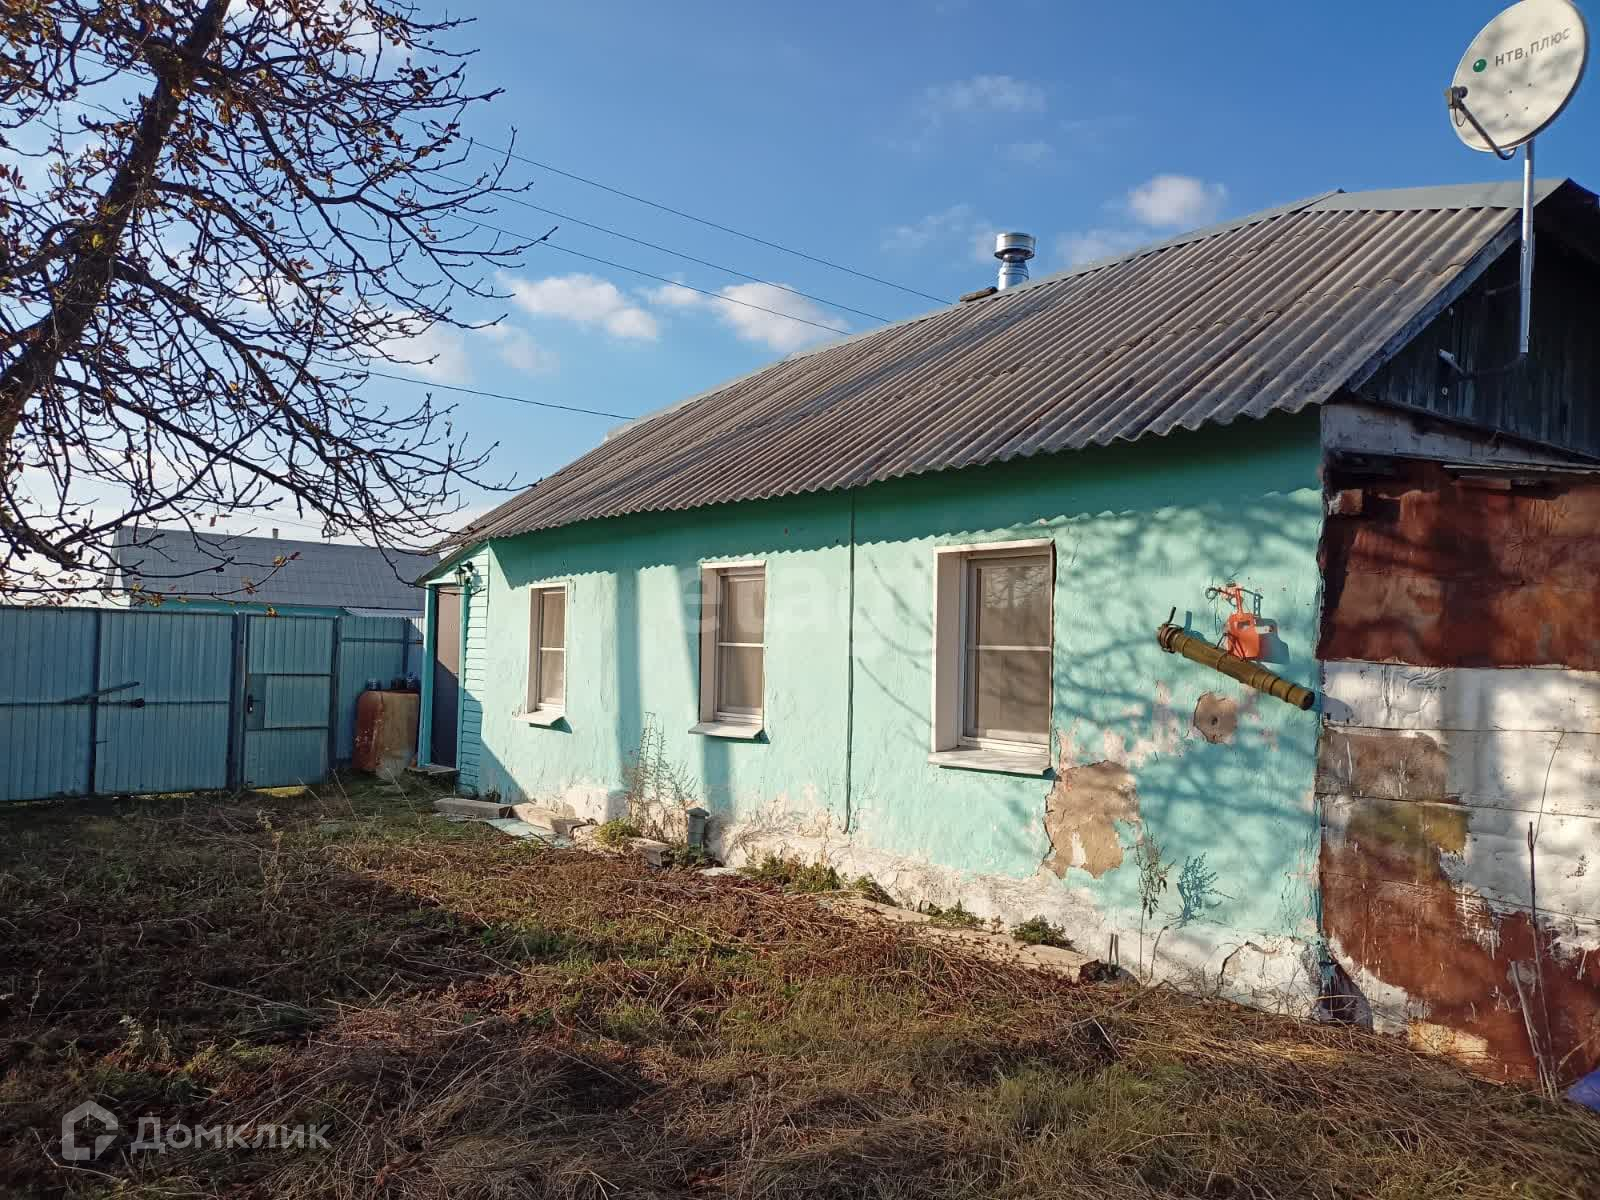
(1462, 715)
(1393, 910)
(1216, 718)
(1081, 816)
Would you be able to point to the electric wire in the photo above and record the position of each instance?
(687, 216)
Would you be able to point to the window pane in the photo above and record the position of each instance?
(743, 598)
(739, 679)
(1011, 601)
(553, 618)
(1009, 695)
(552, 678)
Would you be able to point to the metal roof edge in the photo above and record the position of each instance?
(465, 550)
(1506, 194)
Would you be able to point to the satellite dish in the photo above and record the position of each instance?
(1518, 74)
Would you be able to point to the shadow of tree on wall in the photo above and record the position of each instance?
(1139, 529)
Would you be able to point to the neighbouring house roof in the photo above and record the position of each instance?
(1270, 313)
(318, 574)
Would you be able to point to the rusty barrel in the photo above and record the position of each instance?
(386, 732)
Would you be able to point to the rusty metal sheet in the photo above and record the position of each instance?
(1391, 909)
(1438, 568)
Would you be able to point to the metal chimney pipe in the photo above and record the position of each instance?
(1013, 250)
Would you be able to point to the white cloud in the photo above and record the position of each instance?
(777, 332)
(1161, 202)
(772, 328)
(1029, 154)
(1176, 201)
(969, 100)
(1090, 245)
(434, 352)
(984, 93)
(959, 225)
(519, 351)
(585, 300)
(672, 295)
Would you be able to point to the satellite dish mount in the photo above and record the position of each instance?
(1514, 80)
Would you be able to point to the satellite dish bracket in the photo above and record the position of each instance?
(1524, 285)
(1455, 99)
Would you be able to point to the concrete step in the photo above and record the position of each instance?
(548, 818)
(460, 806)
(653, 852)
(516, 828)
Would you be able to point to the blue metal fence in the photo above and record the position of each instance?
(106, 701)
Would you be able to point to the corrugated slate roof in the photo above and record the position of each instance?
(176, 562)
(1270, 313)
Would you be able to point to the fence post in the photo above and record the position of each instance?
(94, 706)
(236, 643)
(331, 746)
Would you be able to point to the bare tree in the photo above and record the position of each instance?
(214, 216)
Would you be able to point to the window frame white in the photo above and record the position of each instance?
(715, 719)
(535, 711)
(952, 745)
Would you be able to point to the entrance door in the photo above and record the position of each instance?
(446, 675)
(288, 700)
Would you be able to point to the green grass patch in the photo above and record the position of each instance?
(615, 834)
(1036, 931)
(796, 875)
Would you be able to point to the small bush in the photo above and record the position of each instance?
(687, 857)
(615, 834)
(1036, 931)
(954, 917)
(795, 876)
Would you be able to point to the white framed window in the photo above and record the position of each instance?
(733, 625)
(547, 653)
(994, 610)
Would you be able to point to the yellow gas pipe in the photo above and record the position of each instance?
(1175, 641)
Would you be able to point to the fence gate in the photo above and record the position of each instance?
(110, 701)
(106, 701)
(288, 700)
(159, 720)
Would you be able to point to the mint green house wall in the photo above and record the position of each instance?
(843, 772)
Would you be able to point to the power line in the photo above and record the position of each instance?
(594, 258)
(687, 216)
(676, 212)
(456, 387)
(628, 237)
(544, 240)
(665, 250)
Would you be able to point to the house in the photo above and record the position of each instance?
(893, 603)
(231, 573)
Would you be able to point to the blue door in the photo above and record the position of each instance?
(288, 700)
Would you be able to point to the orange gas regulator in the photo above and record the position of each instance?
(1242, 635)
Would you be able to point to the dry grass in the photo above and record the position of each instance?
(479, 1017)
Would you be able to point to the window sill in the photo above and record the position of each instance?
(736, 730)
(1001, 761)
(542, 716)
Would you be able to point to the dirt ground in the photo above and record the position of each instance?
(466, 1015)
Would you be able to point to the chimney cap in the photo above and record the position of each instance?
(1014, 245)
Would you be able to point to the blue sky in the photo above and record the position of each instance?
(894, 138)
(897, 138)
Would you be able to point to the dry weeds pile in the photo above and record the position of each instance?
(477, 1017)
